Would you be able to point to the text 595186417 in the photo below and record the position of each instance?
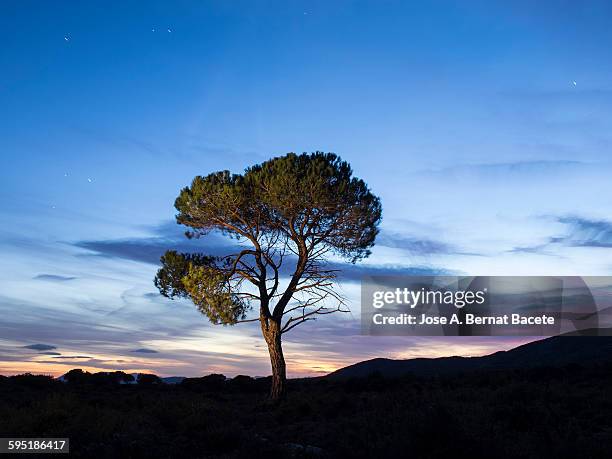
(34, 445)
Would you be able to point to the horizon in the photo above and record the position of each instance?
(109, 371)
(492, 120)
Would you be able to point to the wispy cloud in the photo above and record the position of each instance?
(579, 232)
(53, 278)
(40, 347)
(539, 249)
(508, 169)
(164, 237)
(584, 232)
(72, 357)
(167, 237)
(418, 246)
(145, 351)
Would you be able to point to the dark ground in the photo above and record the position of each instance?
(561, 412)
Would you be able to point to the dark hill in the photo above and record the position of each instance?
(556, 351)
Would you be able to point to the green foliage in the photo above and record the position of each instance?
(211, 292)
(175, 266)
(305, 205)
(302, 196)
(218, 197)
(199, 278)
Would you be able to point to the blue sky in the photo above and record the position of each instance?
(483, 126)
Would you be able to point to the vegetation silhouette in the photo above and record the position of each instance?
(290, 213)
(546, 412)
(549, 398)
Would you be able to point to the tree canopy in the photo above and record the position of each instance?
(298, 205)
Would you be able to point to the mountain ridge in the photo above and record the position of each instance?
(554, 351)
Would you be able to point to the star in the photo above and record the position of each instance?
(575, 84)
(169, 30)
(66, 38)
(152, 30)
(89, 180)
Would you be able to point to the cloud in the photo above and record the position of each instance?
(584, 232)
(40, 347)
(49, 353)
(413, 244)
(145, 351)
(531, 249)
(579, 232)
(70, 357)
(53, 278)
(354, 272)
(418, 246)
(167, 237)
(190, 346)
(517, 168)
(540, 249)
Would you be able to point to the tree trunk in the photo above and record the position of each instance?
(279, 376)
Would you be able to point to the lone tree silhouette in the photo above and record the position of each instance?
(288, 215)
